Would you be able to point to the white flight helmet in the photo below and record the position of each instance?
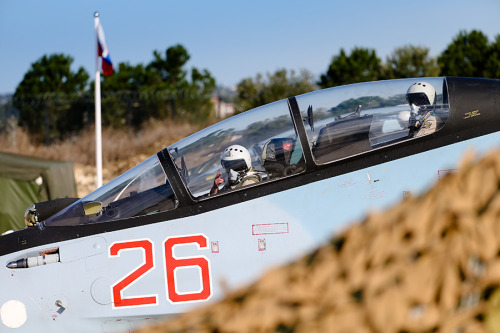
(236, 158)
(421, 94)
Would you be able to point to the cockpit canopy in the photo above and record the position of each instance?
(338, 122)
(142, 190)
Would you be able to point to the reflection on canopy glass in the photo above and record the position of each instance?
(266, 132)
(140, 191)
(357, 118)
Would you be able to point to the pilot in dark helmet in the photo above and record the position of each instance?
(421, 96)
(236, 162)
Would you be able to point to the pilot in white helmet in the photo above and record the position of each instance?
(237, 163)
(421, 96)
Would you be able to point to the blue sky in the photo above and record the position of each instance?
(232, 39)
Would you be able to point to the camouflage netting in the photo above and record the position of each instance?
(430, 264)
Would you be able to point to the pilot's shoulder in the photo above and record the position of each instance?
(251, 177)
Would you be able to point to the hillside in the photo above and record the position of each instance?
(429, 264)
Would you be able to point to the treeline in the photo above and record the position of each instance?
(55, 102)
(470, 54)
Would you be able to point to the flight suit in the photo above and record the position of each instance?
(427, 127)
(250, 178)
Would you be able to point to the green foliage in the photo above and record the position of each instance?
(492, 67)
(54, 101)
(122, 96)
(169, 69)
(54, 97)
(360, 66)
(197, 105)
(410, 61)
(50, 95)
(178, 93)
(467, 55)
(254, 93)
(162, 89)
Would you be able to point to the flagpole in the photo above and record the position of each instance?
(98, 136)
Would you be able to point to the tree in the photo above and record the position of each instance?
(360, 66)
(492, 67)
(467, 55)
(162, 89)
(125, 96)
(49, 97)
(180, 93)
(197, 106)
(170, 69)
(410, 61)
(254, 93)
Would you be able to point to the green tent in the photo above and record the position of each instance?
(25, 180)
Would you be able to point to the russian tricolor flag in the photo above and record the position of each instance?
(102, 48)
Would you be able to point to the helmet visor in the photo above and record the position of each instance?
(236, 165)
(417, 99)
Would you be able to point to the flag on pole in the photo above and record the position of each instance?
(107, 69)
(102, 48)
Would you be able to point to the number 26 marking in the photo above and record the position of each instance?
(172, 263)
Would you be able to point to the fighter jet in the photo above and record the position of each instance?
(215, 210)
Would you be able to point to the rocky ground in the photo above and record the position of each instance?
(430, 264)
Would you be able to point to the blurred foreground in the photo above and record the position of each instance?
(430, 264)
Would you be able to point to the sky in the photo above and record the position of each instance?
(233, 40)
